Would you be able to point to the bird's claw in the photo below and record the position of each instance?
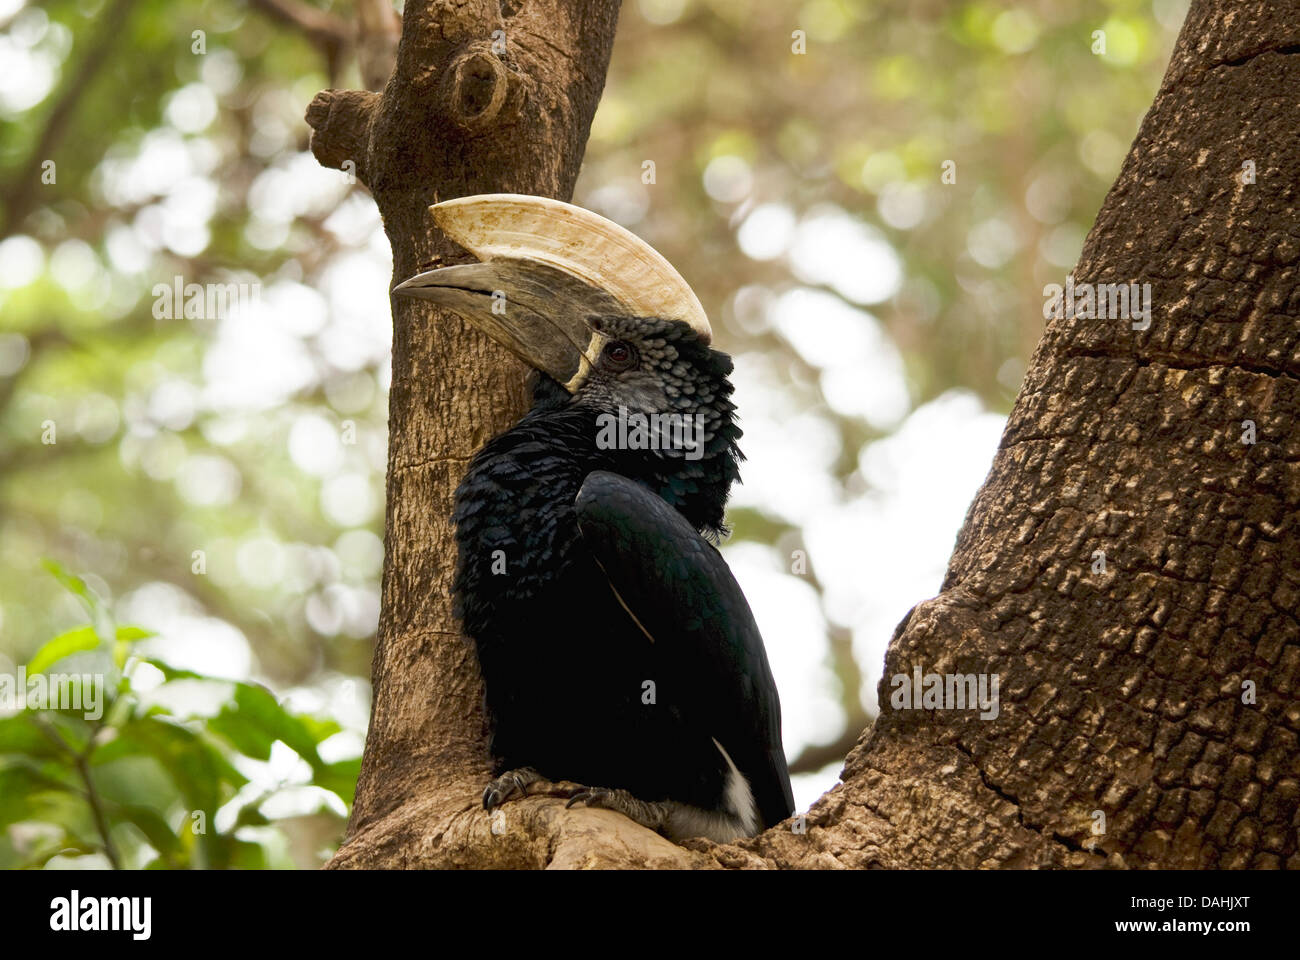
(505, 787)
(590, 796)
(649, 815)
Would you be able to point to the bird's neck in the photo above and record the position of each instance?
(697, 484)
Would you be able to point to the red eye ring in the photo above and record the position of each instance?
(620, 355)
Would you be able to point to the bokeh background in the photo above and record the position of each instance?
(204, 530)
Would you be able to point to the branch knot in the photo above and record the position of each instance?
(482, 91)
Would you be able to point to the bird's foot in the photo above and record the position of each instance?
(652, 816)
(507, 785)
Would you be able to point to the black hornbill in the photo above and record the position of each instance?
(617, 650)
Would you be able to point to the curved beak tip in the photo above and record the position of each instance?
(408, 287)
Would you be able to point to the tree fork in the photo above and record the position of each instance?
(1152, 695)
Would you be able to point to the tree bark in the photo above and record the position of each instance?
(1122, 691)
(1125, 689)
(485, 97)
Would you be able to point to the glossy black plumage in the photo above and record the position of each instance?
(549, 526)
(682, 593)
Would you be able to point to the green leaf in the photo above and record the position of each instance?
(173, 673)
(255, 720)
(200, 771)
(68, 727)
(65, 644)
(122, 645)
(242, 855)
(24, 786)
(339, 777)
(194, 764)
(320, 728)
(250, 815)
(19, 734)
(72, 583)
(119, 710)
(247, 736)
(160, 836)
(260, 719)
(137, 779)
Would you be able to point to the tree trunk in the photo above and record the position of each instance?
(486, 97)
(1130, 569)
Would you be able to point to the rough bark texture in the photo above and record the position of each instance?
(1121, 691)
(468, 110)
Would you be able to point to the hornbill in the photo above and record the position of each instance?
(617, 649)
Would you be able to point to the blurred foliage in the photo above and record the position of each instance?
(95, 763)
(221, 479)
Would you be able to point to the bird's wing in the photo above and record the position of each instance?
(682, 593)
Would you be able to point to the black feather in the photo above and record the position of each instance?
(565, 667)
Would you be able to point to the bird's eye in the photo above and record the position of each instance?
(619, 355)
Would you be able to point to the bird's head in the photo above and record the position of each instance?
(599, 311)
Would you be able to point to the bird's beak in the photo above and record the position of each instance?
(536, 312)
(548, 266)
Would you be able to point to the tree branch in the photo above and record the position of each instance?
(23, 192)
(80, 760)
(816, 756)
(329, 33)
(379, 30)
(341, 122)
